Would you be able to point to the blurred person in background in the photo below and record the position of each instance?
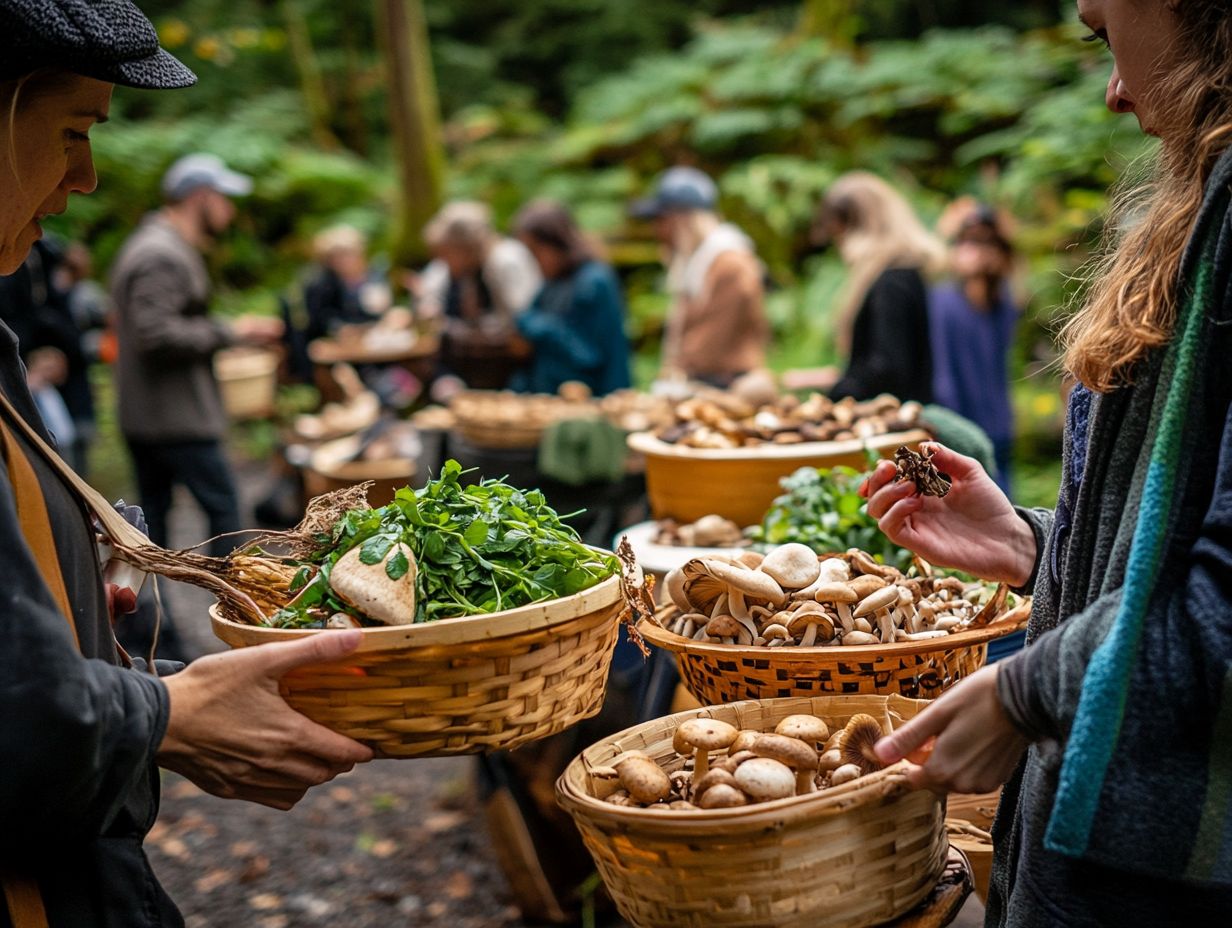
(35, 303)
(477, 283)
(171, 412)
(716, 328)
(345, 291)
(575, 324)
(972, 323)
(87, 299)
(882, 322)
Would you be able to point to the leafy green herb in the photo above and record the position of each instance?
(822, 508)
(479, 549)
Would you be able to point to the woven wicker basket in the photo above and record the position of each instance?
(459, 686)
(247, 381)
(740, 484)
(719, 673)
(849, 857)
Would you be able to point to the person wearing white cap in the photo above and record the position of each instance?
(171, 412)
(717, 327)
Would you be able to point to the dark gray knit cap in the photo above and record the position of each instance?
(110, 40)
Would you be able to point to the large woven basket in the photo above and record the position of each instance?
(849, 857)
(740, 484)
(459, 686)
(247, 381)
(719, 673)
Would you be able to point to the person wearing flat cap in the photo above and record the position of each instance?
(716, 328)
(84, 727)
(171, 411)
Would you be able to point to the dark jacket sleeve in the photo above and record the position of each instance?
(156, 295)
(1187, 638)
(570, 334)
(75, 734)
(893, 310)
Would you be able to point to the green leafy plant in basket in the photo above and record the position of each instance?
(822, 508)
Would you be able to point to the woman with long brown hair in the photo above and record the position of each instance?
(1112, 730)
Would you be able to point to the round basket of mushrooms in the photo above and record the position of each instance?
(793, 623)
(760, 813)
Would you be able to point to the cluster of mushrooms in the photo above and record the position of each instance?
(726, 420)
(801, 756)
(791, 597)
(712, 531)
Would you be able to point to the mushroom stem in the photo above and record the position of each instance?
(845, 618)
(804, 781)
(701, 763)
(810, 635)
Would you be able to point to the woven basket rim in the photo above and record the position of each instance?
(1007, 623)
(443, 632)
(646, 443)
(880, 785)
(327, 351)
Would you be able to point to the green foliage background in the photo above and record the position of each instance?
(586, 100)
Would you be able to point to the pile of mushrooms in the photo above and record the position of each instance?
(722, 420)
(801, 756)
(791, 597)
(712, 531)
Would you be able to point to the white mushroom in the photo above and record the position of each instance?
(704, 736)
(751, 582)
(763, 779)
(844, 774)
(674, 583)
(792, 566)
(369, 588)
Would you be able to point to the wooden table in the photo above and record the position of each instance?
(419, 358)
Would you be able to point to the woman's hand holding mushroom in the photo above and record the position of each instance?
(973, 528)
(234, 736)
(963, 743)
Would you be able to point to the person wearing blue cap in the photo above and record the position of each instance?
(84, 726)
(170, 406)
(717, 328)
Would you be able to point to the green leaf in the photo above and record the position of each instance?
(300, 580)
(477, 532)
(375, 549)
(397, 566)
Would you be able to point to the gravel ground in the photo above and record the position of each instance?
(394, 843)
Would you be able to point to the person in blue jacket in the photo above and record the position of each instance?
(576, 322)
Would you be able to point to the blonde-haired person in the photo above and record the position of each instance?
(881, 324)
(83, 734)
(716, 328)
(1112, 730)
(344, 290)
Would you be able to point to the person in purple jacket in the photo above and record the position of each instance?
(972, 322)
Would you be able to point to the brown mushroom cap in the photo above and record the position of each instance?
(792, 566)
(790, 751)
(866, 584)
(861, 733)
(708, 734)
(837, 592)
(644, 779)
(743, 740)
(713, 777)
(764, 779)
(845, 774)
(751, 582)
(885, 598)
(723, 626)
(723, 796)
(734, 760)
(830, 760)
(807, 728)
(603, 781)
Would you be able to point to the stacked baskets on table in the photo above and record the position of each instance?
(459, 686)
(848, 857)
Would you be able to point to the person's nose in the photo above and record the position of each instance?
(80, 176)
(1117, 98)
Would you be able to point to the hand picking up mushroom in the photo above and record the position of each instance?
(918, 467)
(792, 598)
(756, 766)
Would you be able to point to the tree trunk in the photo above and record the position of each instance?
(311, 83)
(414, 116)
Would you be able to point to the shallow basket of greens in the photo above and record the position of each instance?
(496, 623)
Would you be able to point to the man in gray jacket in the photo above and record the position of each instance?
(171, 412)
